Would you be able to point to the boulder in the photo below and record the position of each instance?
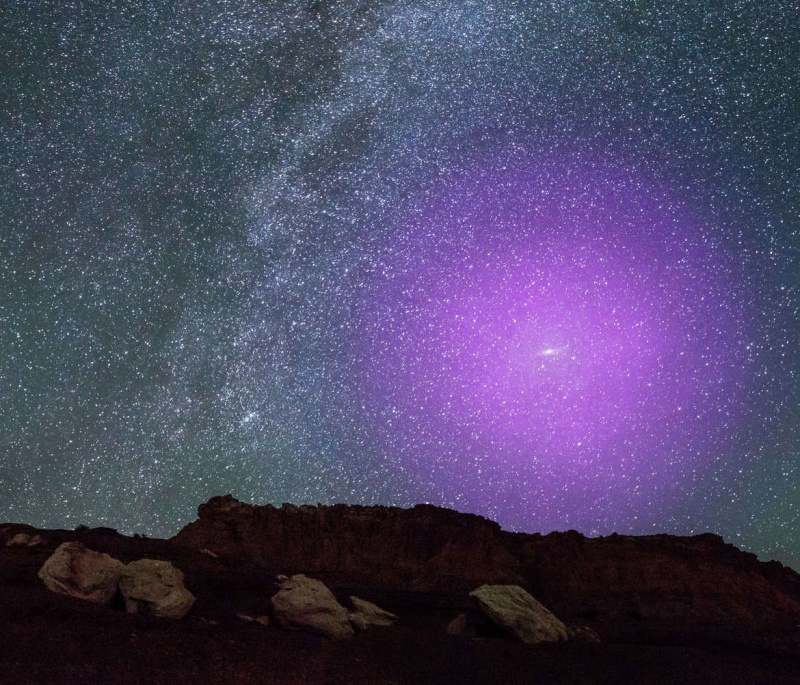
(156, 588)
(367, 614)
(519, 614)
(582, 634)
(461, 625)
(305, 603)
(79, 572)
(19, 540)
(36, 541)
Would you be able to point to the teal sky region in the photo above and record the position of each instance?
(534, 261)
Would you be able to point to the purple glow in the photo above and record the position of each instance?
(563, 333)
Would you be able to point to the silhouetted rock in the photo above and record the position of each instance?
(79, 572)
(155, 588)
(519, 614)
(306, 603)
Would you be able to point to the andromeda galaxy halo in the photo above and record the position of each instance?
(537, 261)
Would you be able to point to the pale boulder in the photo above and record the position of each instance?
(155, 588)
(519, 614)
(19, 540)
(305, 603)
(79, 572)
(366, 614)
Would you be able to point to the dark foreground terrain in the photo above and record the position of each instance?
(668, 609)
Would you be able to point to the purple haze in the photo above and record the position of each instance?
(555, 346)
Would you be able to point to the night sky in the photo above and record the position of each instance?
(538, 261)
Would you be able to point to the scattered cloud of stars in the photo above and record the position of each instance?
(538, 261)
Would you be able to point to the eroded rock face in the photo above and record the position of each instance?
(156, 588)
(519, 614)
(429, 549)
(306, 603)
(424, 548)
(657, 576)
(79, 572)
(366, 614)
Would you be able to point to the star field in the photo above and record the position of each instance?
(535, 261)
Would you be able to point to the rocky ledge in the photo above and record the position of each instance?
(429, 549)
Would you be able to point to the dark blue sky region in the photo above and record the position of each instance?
(539, 261)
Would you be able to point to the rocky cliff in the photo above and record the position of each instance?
(423, 549)
(428, 549)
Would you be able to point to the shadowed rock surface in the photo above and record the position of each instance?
(667, 609)
(156, 588)
(519, 614)
(83, 573)
(424, 548)
(366, 614)
(306, 603)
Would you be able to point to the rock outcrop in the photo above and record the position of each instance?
(79, 572)
(519, 614)
(306, 603)
(428, 549)
(155, 588)
(656, 576)
(422, 548)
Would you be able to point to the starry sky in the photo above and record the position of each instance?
(537, 261)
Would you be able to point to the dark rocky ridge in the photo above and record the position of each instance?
(668, 609)
(433, 550)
